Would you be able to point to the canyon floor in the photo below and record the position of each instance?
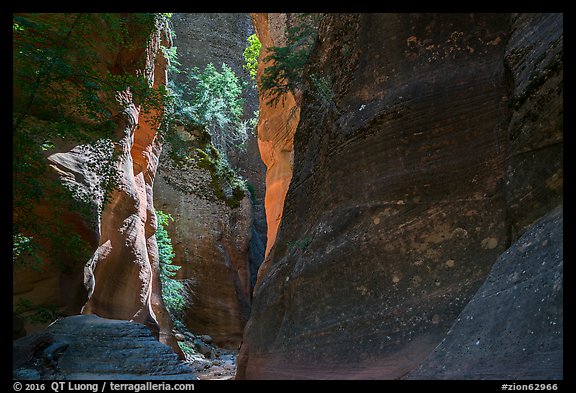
(208, 361)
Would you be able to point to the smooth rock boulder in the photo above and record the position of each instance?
(90, 347)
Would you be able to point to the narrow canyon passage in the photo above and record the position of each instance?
(288, 196)
(217, 237)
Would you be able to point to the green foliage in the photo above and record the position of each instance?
(216, 103)
(22, 245)
(216, 91)
(213, 113)
(172, 289)
(210, 108)
(251, 54)
(33, 313)
(197, 151)
(179, 325)
(252, 123)
(188, 349)
(301, 244)
(171, 54)
(287, 62)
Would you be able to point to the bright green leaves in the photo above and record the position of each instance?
(216, 95)
(172, 289)
(211, 108)
(172, 56)
(20, 244)
(215, 102)
(251, 54)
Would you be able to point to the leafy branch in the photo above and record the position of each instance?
(287, 63)
(173, 290)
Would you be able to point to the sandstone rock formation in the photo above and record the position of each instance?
(534, 165)
(392, 195)
(217, 246)
(211, 242)
(513, 326)
(276, 127)
(60, 282)
(88, 347)
(121, 277)
(401, 197)
(249, 165)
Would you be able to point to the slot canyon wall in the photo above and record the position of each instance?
(413, 221)
(439, 147)
(122, 276)
(276, 126)
(219, 247)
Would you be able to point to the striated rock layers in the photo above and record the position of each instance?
(88, 347)
(534, 166)
(216, 244)
(409, 176)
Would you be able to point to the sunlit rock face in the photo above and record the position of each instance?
(122, 277)
(276, 127)
(400, 197)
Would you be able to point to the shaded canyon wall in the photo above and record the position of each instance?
(513, 326)
(407, 186)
